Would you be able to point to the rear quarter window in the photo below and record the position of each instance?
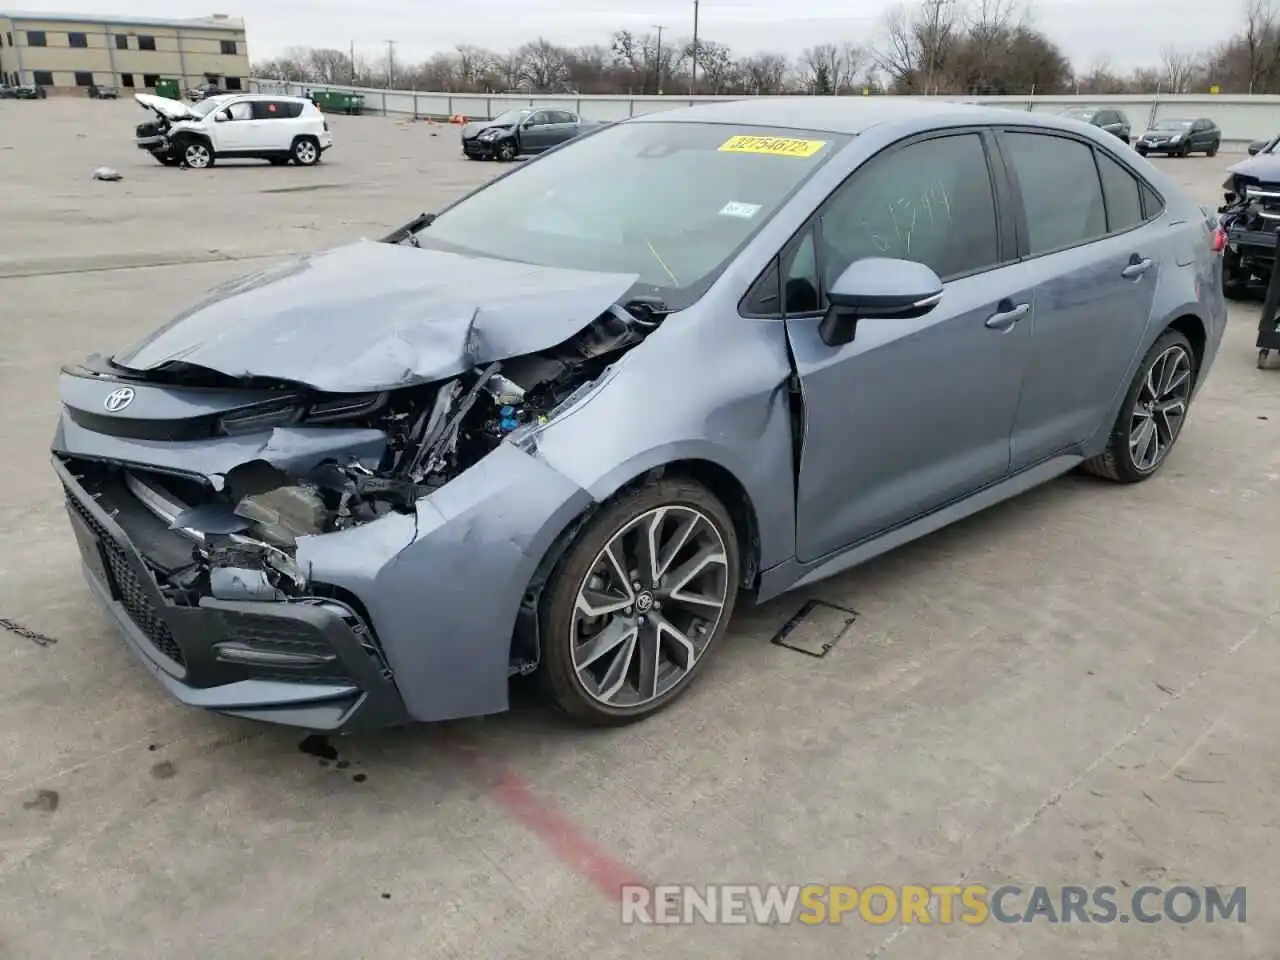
(1122, 194)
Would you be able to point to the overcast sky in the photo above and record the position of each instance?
(1128, 33)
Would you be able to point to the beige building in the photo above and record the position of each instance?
(63, 52)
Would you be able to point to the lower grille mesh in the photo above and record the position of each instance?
(133, 595)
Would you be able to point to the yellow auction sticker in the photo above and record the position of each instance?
(774, 146)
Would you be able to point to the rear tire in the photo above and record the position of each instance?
(1146, 428)
(1213, 149)
(305, 151)
(633, 657)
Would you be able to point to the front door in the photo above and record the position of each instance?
(1094, 266)
(911, 414)
(236, 133)
(537, 132)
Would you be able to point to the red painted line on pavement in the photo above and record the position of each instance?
(581, 854)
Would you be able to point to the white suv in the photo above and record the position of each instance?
(278, 129)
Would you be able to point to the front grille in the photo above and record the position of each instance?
(131, 592)
(148, 130)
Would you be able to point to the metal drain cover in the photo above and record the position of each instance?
(816, 628)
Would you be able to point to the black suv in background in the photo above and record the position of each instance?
(1181, 138)
(1112, 121)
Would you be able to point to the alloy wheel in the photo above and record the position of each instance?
(649, 606)
(1160, 409)
(197, 155)
(305, 152)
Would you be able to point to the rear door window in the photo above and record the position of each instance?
(1122, 195)
(1061, 191)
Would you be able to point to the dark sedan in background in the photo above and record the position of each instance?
(519, 132)
(1181, 137)
(1112, 121)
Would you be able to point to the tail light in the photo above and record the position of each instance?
(1219, 240)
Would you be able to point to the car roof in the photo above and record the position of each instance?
(850, 115)
(258, 96)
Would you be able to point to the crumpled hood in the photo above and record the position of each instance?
(476, 127)
(374, 316)
(170, 109)
(1266, 168)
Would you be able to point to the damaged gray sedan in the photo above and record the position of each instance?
(564, 425)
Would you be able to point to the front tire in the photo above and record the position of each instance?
(1152, 415)
(1213, 149)
(506, 151)
(197, 154)
(637, 603)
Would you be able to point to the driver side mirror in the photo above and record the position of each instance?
(1255, 149)
(528, 123)
(877, 287)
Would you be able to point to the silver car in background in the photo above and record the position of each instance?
(567, 424)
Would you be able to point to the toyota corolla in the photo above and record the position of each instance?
(566, 424)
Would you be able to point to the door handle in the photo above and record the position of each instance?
(1005, 319)
(1136, 268)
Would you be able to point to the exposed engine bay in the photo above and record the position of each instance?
(234, 536)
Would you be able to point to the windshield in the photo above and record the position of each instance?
(1080, 113)
(1172, 125)
(512, 116)
(206, 107)
(670, 202)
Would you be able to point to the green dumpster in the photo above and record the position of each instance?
(335, 101)
(166, 87)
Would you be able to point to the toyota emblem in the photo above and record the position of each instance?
(117, 400)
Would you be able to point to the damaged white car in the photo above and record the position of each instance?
(279, 130)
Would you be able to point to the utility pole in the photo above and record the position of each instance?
(391, 62)
(659, 27)
(693, 84)
(353, 63)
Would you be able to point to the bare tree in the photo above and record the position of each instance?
(543, 65)
(1178, 70)
(764, 74)
(918, 42)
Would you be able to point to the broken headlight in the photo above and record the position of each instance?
(261, 416)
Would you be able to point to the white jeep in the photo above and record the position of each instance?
(276, 129)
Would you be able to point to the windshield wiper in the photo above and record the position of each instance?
(400, 234)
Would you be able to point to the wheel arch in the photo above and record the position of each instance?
(526, 645)
(1188, 320)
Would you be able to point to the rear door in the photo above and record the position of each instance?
(1094, 263)
(274, 124)
(564, 126)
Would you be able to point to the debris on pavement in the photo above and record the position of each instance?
(106, 173)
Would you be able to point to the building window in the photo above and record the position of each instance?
(126, 79)
(145, 42)
(122, 41)
(35, 38)
(42, 78)
(233, 83)
(150, 79)
(229, 48)
(77, 40)
(84, 78)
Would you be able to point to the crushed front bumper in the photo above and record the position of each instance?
(482, 149)
(313, 664)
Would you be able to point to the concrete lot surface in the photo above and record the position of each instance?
(1077, 687)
